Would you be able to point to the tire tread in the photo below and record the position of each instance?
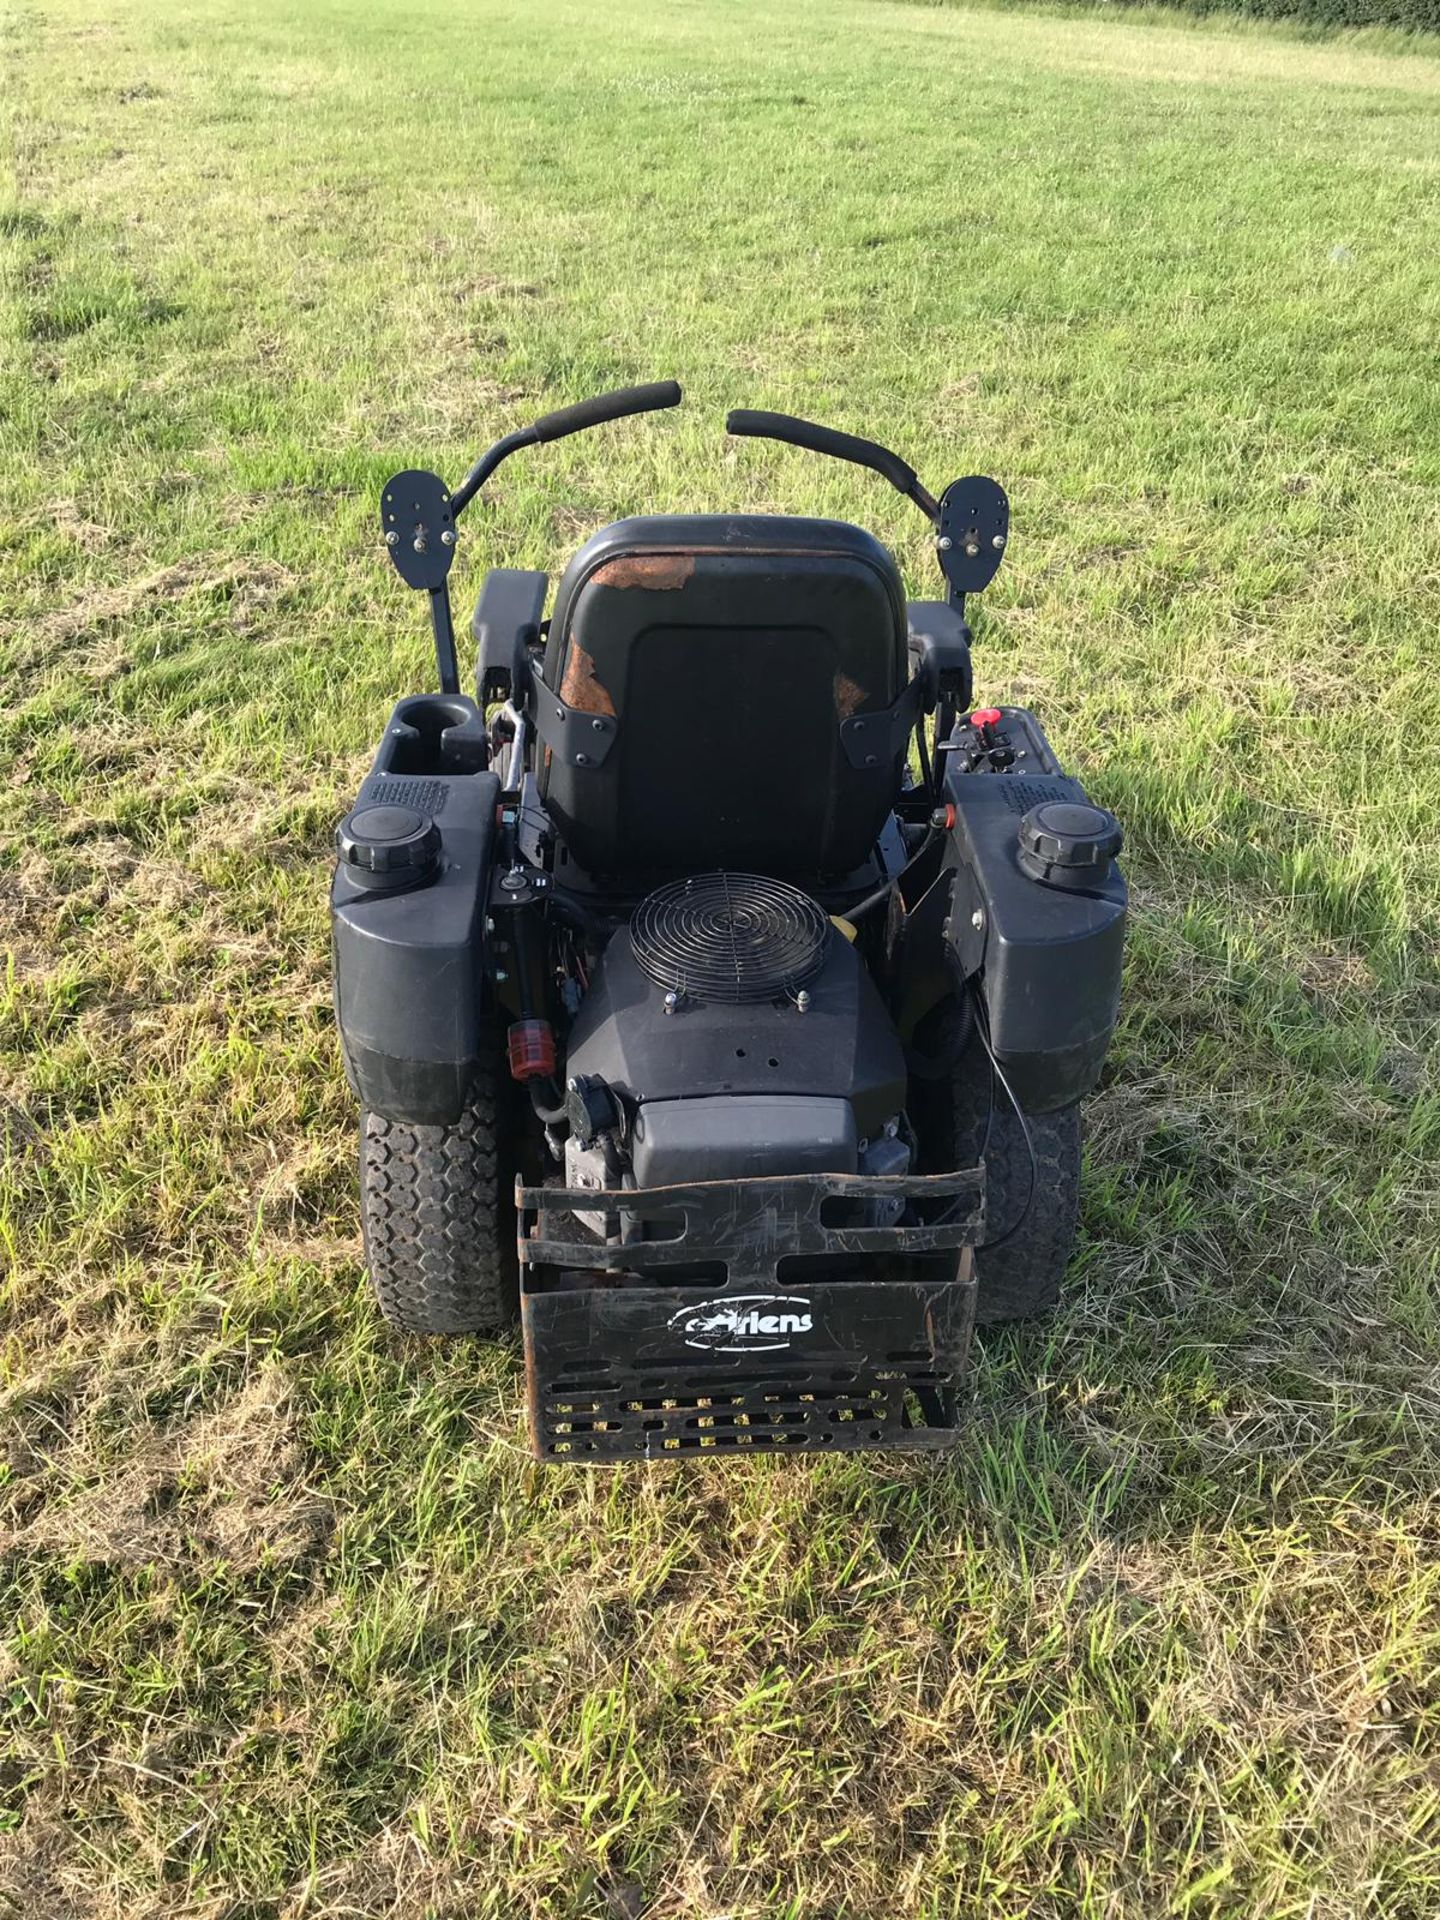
(438, 1219)
(1020, 1280)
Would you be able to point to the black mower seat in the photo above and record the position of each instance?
(700, 668)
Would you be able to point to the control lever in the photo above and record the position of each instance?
(418, 512)
(743, 421)
(971, 518)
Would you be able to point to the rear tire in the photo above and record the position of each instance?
(437, 1210)
(1021, 1279)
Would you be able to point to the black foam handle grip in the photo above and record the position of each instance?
(817, 439)
(607, 406)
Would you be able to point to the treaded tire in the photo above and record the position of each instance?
(1020, 1280)
(438, 1214)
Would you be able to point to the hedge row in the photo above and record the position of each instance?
(1417, 16)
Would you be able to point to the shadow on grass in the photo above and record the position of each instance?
(1248, 1329)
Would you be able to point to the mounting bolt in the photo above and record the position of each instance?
(972, 547)
(998, 543)
(582, 759)
(944, 543)
(672, 1001)
(447, 538)
(392, 539)
(802, 1000)
(489, 923)
(597, 726)
(501, 976)
(420, 543)
(977, 919)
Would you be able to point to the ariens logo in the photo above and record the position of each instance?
(744, 1323)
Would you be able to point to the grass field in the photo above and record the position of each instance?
(291, 1627)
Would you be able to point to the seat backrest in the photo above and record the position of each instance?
(724, 652)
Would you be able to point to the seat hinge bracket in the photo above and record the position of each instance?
(877, 739)
(577, 738)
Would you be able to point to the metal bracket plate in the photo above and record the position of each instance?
(878, 739)
(972, 532)
(578, 739)
(418, 524)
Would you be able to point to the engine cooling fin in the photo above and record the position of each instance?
(729, 938)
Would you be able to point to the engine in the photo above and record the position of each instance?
(732, 1030)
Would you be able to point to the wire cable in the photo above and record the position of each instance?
(998, 1072)
(883, 893)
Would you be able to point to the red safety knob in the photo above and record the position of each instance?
(986, 717)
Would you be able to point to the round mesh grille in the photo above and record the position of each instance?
(728, 937)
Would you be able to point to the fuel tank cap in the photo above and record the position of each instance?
(385, 846)
(1068, 843)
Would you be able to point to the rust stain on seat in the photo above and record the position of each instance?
(580, 688)
(849, 695)
(661, 572)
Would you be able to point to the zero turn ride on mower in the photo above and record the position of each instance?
(689, 1025)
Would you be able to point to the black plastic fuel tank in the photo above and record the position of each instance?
(1038, 908)
(408, 913)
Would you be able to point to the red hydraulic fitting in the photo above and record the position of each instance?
(532, 1049)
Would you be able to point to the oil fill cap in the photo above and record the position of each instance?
(387, 846)
(1068, 843)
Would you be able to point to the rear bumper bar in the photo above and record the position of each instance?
(813, 1330)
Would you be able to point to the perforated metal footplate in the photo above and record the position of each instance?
(790, 1345)
(645, 1372)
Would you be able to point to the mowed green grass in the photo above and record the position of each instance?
(291, 1625)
